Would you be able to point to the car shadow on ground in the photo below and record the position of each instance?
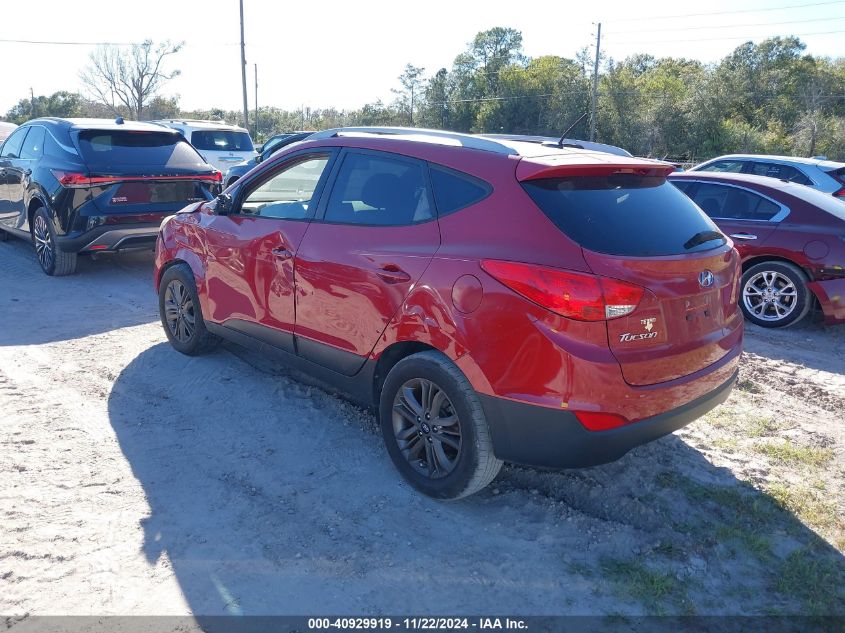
(105, 294)
(268, 496)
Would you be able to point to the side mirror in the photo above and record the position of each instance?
(259, 158)
(224, 204)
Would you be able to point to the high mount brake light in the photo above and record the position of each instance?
(570, 294)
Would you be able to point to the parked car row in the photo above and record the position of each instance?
(494, 298)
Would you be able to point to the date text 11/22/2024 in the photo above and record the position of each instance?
(418, 624)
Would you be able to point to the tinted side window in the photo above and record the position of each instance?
(783, 172)
(683, 185)
(721, 201)
(33, 147)
(454, 191)
(12, 146)
(287, 194)
(623, 214)
(732, 166)
(379, 190)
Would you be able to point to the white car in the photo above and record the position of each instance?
(220, 144)
(817, 172)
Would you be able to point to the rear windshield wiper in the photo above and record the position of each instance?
(703, 236)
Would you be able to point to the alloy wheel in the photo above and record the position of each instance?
(179, 311)
(770, 296)
(43, 243)
(426, 428)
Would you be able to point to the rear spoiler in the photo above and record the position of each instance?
(560, 167)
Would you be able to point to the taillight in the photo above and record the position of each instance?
(71, 178)
(75, 179)
(595, 421)
(574, 295)
(840, 193)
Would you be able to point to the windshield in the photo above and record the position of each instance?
(625, 214)
(222, 141)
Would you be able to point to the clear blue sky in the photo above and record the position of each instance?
(346, 54)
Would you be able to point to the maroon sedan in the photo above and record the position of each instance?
(791, 239)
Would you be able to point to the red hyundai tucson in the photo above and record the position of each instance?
(494, 300)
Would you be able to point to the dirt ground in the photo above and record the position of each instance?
(134, 480)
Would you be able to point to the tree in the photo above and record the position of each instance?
(412, 82)
(128, 79)
(60, 104)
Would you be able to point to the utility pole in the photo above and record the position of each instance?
(31, 103)
(243, 67)
(595, 87)
(255, 123)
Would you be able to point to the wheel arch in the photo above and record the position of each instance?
(760, 259)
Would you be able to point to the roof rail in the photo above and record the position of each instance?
(469, 141)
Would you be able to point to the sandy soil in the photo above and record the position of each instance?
(134, 480)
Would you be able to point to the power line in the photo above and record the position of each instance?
(734, 26)
(4, 41)
(696, 15)
(715, 39)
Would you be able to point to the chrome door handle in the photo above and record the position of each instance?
(282, 253)
(744, 236)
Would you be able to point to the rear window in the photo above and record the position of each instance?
(839, 174)
(625, 214)
(102, 149)
(221, 141)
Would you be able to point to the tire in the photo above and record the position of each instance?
(445, 469)
(181, 314)
(774, 294)
(53, 261)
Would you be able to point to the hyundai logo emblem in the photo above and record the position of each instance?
(705, 278)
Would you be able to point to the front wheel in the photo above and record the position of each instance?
(434, 427)
(774, 294)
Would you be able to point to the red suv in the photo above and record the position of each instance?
(495, 300)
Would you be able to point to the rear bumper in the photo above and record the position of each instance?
(553, 438)
(831, 296)
(111, 238)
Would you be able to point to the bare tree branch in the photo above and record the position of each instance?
(128, 79)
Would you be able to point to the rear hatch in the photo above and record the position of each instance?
(634, 226)
(133, 173)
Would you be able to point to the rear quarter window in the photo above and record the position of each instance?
(624, 214)
(454, 191)
(103, 148)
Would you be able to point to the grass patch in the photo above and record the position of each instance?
(757, 544)
(763, 427)
(749, 386)
(651, 588)
(817, 583)
(729, 444)
(795, 454)
(806, 504)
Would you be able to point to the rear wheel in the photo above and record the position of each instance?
(181, 314)
(774, 294)
(434, 427)
(54, 261)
